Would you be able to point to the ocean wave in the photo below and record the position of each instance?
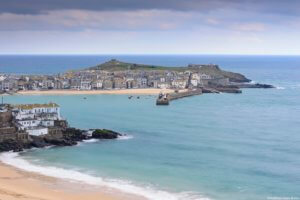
(150, 193)
(125, 137)
(90, 141)
(280, 88)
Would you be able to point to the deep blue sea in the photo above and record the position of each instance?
(215, 146)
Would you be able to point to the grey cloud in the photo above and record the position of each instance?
(39, 6)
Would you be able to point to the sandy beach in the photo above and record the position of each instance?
(147, 91)
(20, 185)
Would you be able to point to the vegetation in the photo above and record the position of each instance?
(115, 65)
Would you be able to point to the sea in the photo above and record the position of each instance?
(213, 146)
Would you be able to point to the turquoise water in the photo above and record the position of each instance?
(219, 146)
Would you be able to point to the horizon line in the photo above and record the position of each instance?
(140, 54)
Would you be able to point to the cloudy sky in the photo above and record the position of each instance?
(150, 27)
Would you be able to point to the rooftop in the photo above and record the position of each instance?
(31, 106)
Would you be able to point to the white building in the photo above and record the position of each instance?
(85, 85)
(32, 111)
(163, 85)
(37, 131)
(36, 118)
(179, 83)
(97, 85)
(194, 82)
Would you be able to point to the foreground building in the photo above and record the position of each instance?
(37, 119)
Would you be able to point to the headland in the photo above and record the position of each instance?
(117, 77)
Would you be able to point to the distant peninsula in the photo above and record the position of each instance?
(115, 76)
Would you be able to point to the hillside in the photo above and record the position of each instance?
(212, 70)
(115, 65)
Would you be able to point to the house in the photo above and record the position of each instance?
(86, 85)
(179, 83)
(142, 82)
(8, 84)
(47, 84)
(35, 119)
(75, 84)
(163, 85)
(97, 85)
(204, 79)
(119, 83)
(107, 84)
(194, 82)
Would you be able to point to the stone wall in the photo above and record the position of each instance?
(61, 123)
(5, 118)
(55, 132)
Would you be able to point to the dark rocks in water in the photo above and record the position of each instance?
(38, 142)
(209, 90)
(105, 134)
(13, 145)
(71, 136)
(60, 142)
(256, 85)
(222, 88)
(229, 90)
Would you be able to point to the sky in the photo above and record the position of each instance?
(259, 27)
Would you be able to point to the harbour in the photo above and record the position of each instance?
(164, 99)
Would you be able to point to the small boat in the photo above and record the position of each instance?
(138, 97)
(129, 97)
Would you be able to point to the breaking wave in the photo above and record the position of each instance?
(15, 160)
(280, 88)
(125, 137)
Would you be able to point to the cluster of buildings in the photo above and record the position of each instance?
(107, 80)
(21, 121)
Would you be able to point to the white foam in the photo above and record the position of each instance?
(150, 193)
(90, 141)
(125, 137)
(280, 88)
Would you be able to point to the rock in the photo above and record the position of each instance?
(105, 134)
(60, 142)
(234, 90)
(38, 142)
(256, 85)
(11, 145)
(73, 134)
(70, 137)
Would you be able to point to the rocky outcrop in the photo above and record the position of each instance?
(13, 145)
(256, 85)
(216, 72)
(220, 88)
(105, 134)
(71, 136)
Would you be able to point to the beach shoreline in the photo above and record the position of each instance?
(145, 91)
(16, 184)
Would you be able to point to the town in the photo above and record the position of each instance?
(115, 74)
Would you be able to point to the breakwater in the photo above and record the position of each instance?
(164, 99)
